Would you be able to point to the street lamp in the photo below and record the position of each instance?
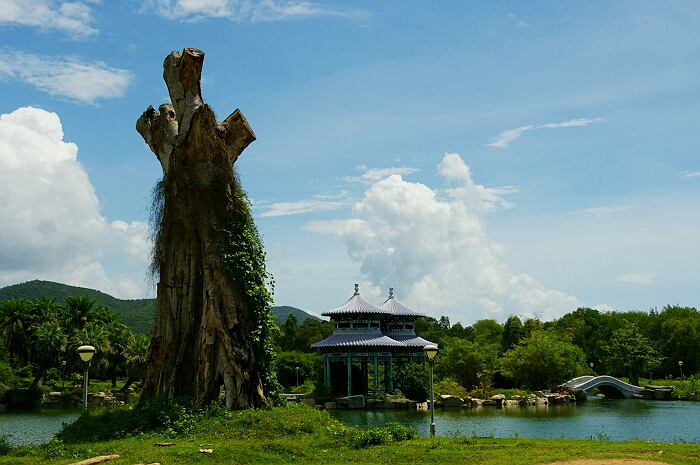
(591, 364)
(430, 352)
(63, 374)
(86, 353)
(680, 365)
(297, 376)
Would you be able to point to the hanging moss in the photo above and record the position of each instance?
(243, 256)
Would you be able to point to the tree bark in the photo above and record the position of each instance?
(202, 337)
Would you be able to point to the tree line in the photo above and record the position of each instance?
(40, 338)
(527, 353)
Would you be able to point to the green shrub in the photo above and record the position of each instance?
(449, 386)
(400, 432)
(4, 445)
(413, 380)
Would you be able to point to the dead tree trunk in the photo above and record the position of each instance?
(207, 329)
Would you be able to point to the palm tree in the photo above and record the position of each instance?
(120, 337)
(136, 359)
(50, 344)
(79, 312)
(96, 335)
(15, 323)
(47, 309)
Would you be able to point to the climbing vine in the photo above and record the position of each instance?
(243, 256)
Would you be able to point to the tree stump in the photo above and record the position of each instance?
(208, 331)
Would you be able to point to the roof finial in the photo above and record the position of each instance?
(391, 292)
(357, 289)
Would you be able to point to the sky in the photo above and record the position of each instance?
(484, 159)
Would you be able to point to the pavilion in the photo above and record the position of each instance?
(366, 334)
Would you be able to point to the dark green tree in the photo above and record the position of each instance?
(630, 353)
(413, 380)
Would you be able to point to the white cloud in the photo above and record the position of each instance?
(49, 214)
(637, 278)
(69, 77)
(690, 174)
(72, 18)
(433, 248)
(506, 137)
(519, 22)
(248, 10)
(606, 211)
(304, 206)
(370, 176)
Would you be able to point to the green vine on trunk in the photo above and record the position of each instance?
(243, 256)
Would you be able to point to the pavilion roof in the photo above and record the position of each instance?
(360, 338)
(356, 305)
(397, 308)
(411, 340)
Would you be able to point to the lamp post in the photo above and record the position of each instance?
(86, 353)
(591, 364)
(430, 352)
(63, 374)
(680, 365)
(297, 376)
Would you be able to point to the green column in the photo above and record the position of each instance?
(391, 376)
(326, 370)
(376, 374)
(349, 373)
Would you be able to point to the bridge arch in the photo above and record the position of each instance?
(610, 386)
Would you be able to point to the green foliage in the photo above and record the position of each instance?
(465, 361)
(630, 353)
(413, 379)
(310, 366)
(4, 445)
(542, 360)
(367, 437)
(244, 258)
(448, 386)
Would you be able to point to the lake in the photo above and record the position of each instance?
(606, 419)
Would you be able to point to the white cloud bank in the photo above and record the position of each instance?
(50, 223)
(433, 248)
(72, 18)
(69, 77)
(247, 10)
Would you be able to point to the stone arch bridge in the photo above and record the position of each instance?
(608, 385)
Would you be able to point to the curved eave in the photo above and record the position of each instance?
(358, 339)
(356, 305)
(398, 309)
(410, 340)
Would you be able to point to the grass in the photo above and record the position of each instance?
(299, 434)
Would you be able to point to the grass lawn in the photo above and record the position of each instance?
(298, 434)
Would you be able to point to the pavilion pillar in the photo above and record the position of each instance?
(349, 373)
(376, 374)
(391, 376)
(326, 370)
(365, 378)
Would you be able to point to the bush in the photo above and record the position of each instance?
(413, 379)
(449, 386)
(4, 445)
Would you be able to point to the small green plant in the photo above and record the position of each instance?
(400, 432)
(4, 445)
(381, 396)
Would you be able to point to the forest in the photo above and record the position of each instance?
(39, 338)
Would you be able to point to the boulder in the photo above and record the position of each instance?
(330, 405)
(451, 401)
(489, 402)
(351, 402)
(539, 394)
(530, 399)
(476, 402)
(512, 403)
(498, 398)
(309, 402)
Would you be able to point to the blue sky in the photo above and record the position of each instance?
(484, 159)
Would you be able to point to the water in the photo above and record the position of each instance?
(599, 419)
(35, 426)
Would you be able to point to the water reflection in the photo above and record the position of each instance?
(35, 426)
(613, 419)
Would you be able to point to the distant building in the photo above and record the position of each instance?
(367, 336)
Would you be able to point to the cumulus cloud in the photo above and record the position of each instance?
(638, 278)
(690, 174)
(72, 18)
(69, 77)
(370, 176)
(506, 137)
(432, 246)
(249, 10)
(49, 214)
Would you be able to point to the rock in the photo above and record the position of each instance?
(451, 401)
(530, 399)
(422, 406)
(579, 395)
(539, 394)
(351, 402)
(476, 402)
(516, 397)
(512, 403)
(489, 402)
(695, 396)
(662, 394)
(498, 398)
(330, 405)
(309, 402)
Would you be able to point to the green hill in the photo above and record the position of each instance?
(137, 314)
